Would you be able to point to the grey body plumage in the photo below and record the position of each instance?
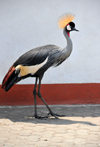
(56, 55)
(35, 62)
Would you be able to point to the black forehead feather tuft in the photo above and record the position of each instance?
(72, 24)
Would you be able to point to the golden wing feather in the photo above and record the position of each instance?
(64, 20)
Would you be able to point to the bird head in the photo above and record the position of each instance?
(65, 22)
(70, 27)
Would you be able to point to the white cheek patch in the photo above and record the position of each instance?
(68, 28)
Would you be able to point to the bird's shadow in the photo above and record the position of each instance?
(59, 121)
(24, 114)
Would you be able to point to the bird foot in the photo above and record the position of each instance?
(47, 116)
(41, 117)
(56, 115)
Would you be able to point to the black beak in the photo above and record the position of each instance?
(75, 29)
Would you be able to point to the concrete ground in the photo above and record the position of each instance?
(80, 127)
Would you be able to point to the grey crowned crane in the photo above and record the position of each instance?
(35, 62)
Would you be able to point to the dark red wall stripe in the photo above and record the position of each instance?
(88, 93)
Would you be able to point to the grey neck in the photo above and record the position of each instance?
(69, 42)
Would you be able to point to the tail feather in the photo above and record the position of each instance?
(10, 79)
(7, 76)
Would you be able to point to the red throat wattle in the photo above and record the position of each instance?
(68, 34)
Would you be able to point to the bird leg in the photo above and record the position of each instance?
(40, 96)
(35, 102)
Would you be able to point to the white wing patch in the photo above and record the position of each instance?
(25, 70)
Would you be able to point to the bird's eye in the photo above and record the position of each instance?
(68, 27)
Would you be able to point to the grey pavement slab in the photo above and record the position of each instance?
(79, 128)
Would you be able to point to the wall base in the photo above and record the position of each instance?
(54, 94)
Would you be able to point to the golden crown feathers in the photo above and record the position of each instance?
(64, 20)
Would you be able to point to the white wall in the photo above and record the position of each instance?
(25, 24)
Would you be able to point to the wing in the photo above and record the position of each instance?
(36, 55)
(30, 63)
